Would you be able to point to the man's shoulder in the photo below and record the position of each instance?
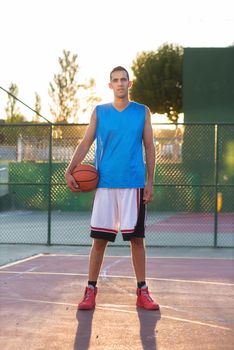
(139, 106)
(102, 109)
(103, 105)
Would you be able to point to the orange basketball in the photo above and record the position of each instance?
(86, 176)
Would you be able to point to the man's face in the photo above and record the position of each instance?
(120, 84)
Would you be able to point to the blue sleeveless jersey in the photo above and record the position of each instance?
(119, 153)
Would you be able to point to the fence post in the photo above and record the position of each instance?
(49, 185)
(216, 178)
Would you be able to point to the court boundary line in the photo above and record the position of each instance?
(31, 257)
(148, 257)
(116, 309)
(105, 276)
(106, 256)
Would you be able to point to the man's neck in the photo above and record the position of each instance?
(121, 103)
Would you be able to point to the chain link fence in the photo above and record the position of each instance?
(193, 190)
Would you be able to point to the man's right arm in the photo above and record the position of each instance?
(80, 152)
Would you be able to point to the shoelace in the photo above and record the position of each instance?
(146, 295)
(87, 295)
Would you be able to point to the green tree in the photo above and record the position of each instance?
(158, 80)
(68, 96)
(13, 114)
(91, 99)
(37, 107)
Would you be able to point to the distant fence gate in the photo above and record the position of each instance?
(193, 189)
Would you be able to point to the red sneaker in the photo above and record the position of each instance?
(144, 300)
(88, 301)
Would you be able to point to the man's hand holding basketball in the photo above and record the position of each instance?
(71, 182)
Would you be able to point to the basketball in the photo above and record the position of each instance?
(86, 176)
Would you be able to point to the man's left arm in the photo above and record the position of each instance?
(150, 157)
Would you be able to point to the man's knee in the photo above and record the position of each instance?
(137, 242)
(99, 244)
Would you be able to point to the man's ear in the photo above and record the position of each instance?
(110, 85)
(130, 84)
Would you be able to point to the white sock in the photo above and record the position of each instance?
(90, 286)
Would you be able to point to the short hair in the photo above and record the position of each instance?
(118, 68)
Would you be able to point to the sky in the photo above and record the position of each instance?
(103, 33)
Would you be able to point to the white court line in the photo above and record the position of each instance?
(107, 256)
(23, 272)
(45, 273)
(104, 274)
(116, 276)
(21, 261)
(38, 301)
(170, 318)
(197, 322)
(117, 309)
(148, 257)
(192, 281)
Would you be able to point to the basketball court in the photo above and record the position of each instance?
(39, 296)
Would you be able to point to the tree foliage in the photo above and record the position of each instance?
(68, 96)
(158, 80)
(13, 114)
(37, 107)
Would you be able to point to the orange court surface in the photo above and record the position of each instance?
(39, 296)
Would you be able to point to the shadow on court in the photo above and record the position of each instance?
(147, 329)
(84, 329)
(39, 297)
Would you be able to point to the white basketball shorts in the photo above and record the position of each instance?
(118, 209)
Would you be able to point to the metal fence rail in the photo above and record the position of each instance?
(194, 186)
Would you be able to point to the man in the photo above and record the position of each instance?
(122, 194)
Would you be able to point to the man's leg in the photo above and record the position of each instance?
(138, 259)
(96, 258)
(95, 263)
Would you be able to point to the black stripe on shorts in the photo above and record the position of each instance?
(139, 230)
(108, 236)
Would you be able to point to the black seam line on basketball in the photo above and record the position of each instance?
(85, 180)
(76, 174)
(89, 171)
(93, 178)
